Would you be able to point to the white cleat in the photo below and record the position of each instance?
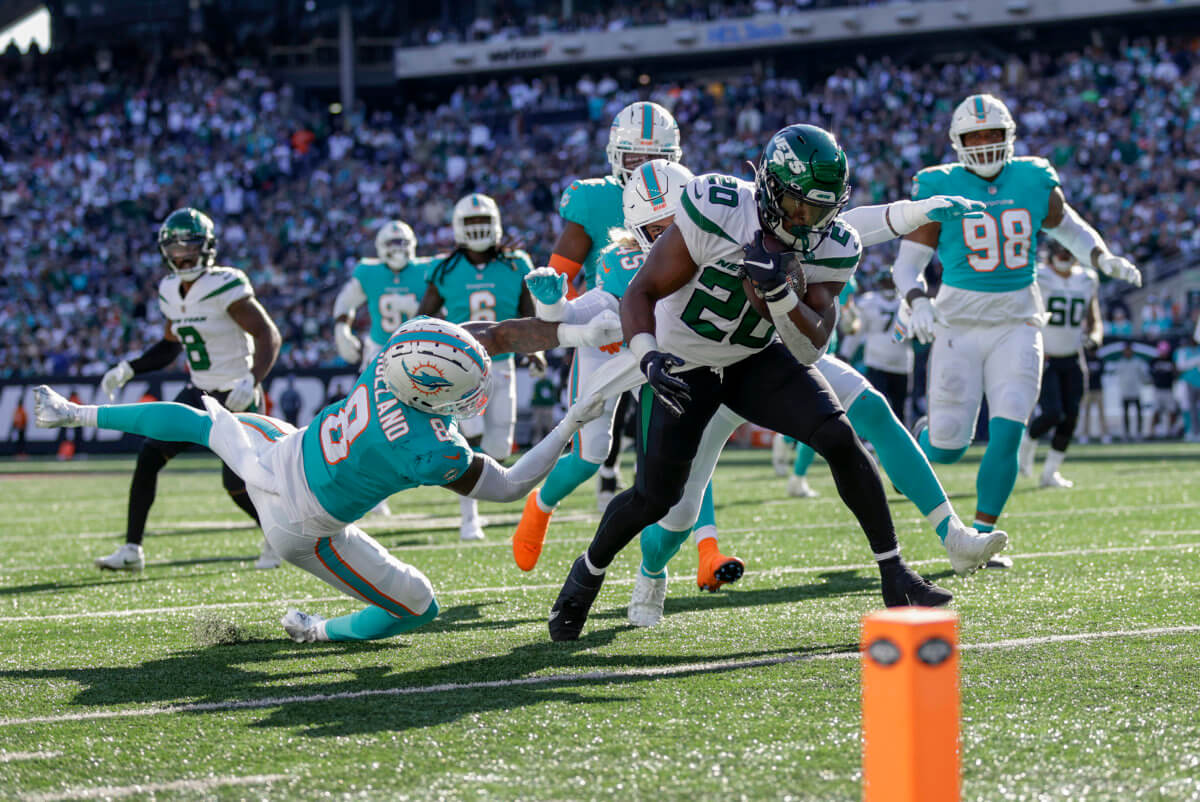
(797, 487)
(469, 531)
(267, 557)
(1026, 455)
(781, 456)
(1056, 480)
(646, 604)
(303, 627)
(128, 557)
(52, 411)
(969, 550)
(999, 562)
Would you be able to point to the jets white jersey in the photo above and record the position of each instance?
(709, 321)
(877, 311)
(218, 350)
(1067, 301)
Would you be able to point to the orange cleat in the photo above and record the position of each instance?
(716, 569)
(531, 533)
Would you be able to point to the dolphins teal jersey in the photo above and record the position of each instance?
(595, 204)
(362, 449)
(392, 295)
(618, 266)
(995, 252)
(489, 291)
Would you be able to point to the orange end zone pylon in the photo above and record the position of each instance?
(910, 706)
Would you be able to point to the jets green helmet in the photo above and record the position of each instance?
(477, 222)
(983, 113)
(802, 183)
(437, 367)
(188, 243)
(396, 244)
(651, 195)
(640, 132)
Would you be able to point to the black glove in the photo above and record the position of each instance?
(672, 391)
(767, 271)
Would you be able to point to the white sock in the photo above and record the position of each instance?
(706, 532)
(591, 568)
(940, 513)
(607, 472)
(887, 555)
(469, 508)
(541, 505)
(88, 414)
(1054, 461)
(322, 635)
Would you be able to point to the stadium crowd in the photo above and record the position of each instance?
(90, 163)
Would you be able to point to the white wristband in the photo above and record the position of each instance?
(643, 343)
(780, 307)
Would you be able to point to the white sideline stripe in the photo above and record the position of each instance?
(9, 757)
(808, 569)
(112, 792)
(554, 679)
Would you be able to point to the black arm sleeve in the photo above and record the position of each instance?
(157, 357)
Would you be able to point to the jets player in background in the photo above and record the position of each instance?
(230, 342)
(986, 321)
(392, 286)
(397, 429)
(482, 280)
(698, 343)
(1074, 323)
(889, 359)
(591, 208)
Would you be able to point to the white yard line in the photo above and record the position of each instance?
(10, 757)
(114, 792)
(567, 679)
(808, 569)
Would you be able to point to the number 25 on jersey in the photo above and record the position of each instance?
(991, 244)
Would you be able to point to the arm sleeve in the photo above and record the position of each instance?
(797, 342)
(871, 223)
(1074, 234)
(497, 483)
(588, 305)
(908, 272)
(156, 357)
(349, 298)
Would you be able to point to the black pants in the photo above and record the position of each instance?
(894, 387)
(769, 388)
(153, 457)
(1063, 381)
(1133, 429)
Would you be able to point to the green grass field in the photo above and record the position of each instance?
(1079, 667)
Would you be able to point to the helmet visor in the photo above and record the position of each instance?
(798, 212)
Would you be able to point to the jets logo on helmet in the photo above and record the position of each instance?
(983, 113)
(477, 222)
(650, 196)
(437, 367)
(396, 244)
(188, 243)
(802, 183)
(640, 132)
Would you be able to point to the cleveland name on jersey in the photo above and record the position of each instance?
(1067, 301)
(709, 321)
(988, 259)
(219, 351)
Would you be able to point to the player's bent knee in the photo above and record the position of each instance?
(151, 458)
(833, 436)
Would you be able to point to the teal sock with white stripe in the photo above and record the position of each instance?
(373, 623)
(167, 421)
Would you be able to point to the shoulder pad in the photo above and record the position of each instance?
(928, 181)
(1039, 167)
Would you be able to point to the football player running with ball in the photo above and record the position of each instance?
(482, 280)
(231, 343)
(698, 343)
(986, 322)
(397, 429)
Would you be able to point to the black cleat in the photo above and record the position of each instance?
(903, 587)
(570, 610)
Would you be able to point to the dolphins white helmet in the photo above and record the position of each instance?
(481, 235)
(651, 194)
(983, 113)
(437, 367)
(645, 129)
(396, 244)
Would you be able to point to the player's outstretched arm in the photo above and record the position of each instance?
(1084, 242)
(876, 224)
(486, 479)
(569, 251)
(527, 335)
(156, 357)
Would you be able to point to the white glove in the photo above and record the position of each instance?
(585, 409)
(349, 347)
(1120, 268)
(115, 379)
(603, 329)
(241, 394)
(925, 318)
